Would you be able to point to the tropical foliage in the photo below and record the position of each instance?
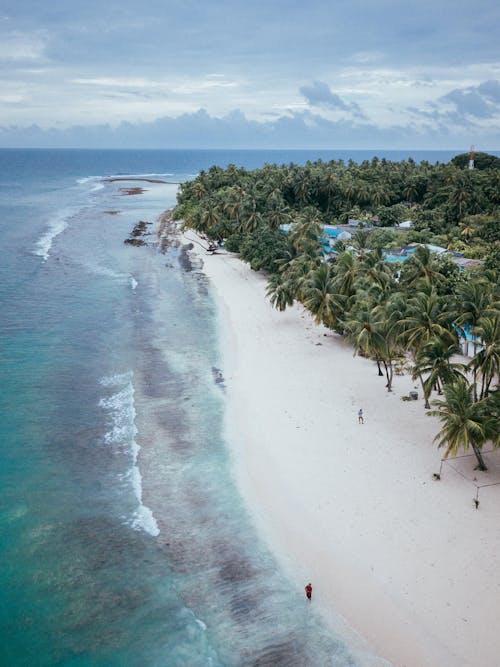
(415, 312)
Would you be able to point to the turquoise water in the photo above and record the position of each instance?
(124, 540)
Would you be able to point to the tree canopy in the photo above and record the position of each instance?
(415, 312)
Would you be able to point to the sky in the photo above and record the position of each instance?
(262, 74)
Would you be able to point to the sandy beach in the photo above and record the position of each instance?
(408, 561)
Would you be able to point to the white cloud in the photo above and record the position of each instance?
(16, 46)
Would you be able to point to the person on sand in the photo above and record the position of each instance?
(360, 416)
(309, 590)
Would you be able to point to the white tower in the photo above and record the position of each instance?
(471, 158)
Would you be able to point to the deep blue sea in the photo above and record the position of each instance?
(123, 538)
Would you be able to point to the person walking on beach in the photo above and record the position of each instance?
(309, 590)
(360, 416)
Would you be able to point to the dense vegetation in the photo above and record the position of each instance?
(399, 314)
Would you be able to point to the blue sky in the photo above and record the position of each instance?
(274, 73)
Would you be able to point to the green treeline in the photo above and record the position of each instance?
(400, 314)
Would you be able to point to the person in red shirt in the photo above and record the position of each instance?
(309, 590)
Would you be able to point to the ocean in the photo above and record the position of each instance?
(124, 540)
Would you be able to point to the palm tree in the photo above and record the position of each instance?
(321, 298)
(434, 360)
(364, 332)
(388, 316)
(467, 228)
(306, 232)
(279, 292)
(473, 299)
(234, 204)
(486, 362)
(465, 421)
(421, 266)
(301, 188)
(363, 192)
(461, 195)
(251, 217)
(379, 195)
(410, 190)
(330, 187)
(377, 273)
(346, 272)
(199, 190)
(296, 273)
(278, 215)
(210, 218)
(426, 321)
(349, 191)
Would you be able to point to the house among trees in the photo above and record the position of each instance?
(470, 344)
(406, 224)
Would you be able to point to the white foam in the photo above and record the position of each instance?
(55, 227)
(110, 273)
(143, 517)
(201, 624)
(142, 175)
(113, 380)
(121, 406)
(86, 179)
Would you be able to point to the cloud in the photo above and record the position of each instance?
(490, 90)
(474, 110)
(199, 129)
(319, 94)
(482, 101)
(17, 46)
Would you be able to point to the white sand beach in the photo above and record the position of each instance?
(407, 560)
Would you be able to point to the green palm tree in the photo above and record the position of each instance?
(435, 361)
(473, 298)
(297, 271)
(251, 218)
(279, 292)
(466, 423)
(199, 190)
(410, 190)
(364, 331)
(486, 362)
(234, 204)
(301, 188)
(210, 218)
(321, 298)
(306, 233)
(421, 267)
(388, 316)
(330, 187)
(349, 191)
(379, 195)
(346, 273)
(378, 275)
(278, 215)
(363, 192)
(426, 320)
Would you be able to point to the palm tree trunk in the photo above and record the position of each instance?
(378, 366)
(474, 382)
(388, 375)
(480, 461)
(427, 405)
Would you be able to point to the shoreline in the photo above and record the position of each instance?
(407, 561)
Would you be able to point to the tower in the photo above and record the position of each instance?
(471, 158)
